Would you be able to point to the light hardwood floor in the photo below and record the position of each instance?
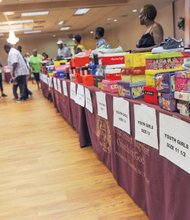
(45, 175)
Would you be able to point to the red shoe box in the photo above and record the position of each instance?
(133, 71)
(113, 77)
(112, 59)
(78, 78)
(81, 61)
(88, 80)
(150, 95)
(113, 74)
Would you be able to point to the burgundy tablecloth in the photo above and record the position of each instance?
(156, 184)
(74, 114)
(64, 105)
(100, 132)
(45, 89)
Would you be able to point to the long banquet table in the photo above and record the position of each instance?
(157, 185)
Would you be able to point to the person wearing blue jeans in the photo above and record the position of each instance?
(19, 71)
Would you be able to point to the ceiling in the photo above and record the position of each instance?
(107, 13)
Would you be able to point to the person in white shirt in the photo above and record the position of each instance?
(19, 71)
(63, 51)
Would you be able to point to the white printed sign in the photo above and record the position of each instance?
(59, 86)
(121, 116)
(72, 91)
(146, 125)
(101, 104)
(41, 77)
(88, 100)
(55, 83)
(50, 82)
(80, 99)
(175, 141)
(65, 88)
(45, 79)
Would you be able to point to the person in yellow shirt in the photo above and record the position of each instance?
(78, 46)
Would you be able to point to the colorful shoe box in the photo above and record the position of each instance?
(110, 86)
(133, 78)
(131, 90)
(164, 61)
(165, 82)
(151, 95)
(135, 60)
(59, 62)
(167, 101)
(183, 104)
(182, 81)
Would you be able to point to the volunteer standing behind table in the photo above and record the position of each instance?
(63, 51)
(19, 70)
(78, 46)
(36, 64)
(99, 36)
(154, 33)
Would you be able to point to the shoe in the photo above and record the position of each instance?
(20, 100)
(30, 96)
(4, 95)
(186, 64)
(169, 45)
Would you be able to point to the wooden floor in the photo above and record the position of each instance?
(45, 175)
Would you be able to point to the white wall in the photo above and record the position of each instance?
(125, 34)
(42, 44)
(179, 12)
(128, 33)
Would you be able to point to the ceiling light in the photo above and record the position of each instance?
(9, 13)
(4, 29)
(134, 10)
(82, 11)
(115, 20)
(109, 19)
(12, 38)
(73, 39)
(32, 32)
(15, 22)
(91, 32)
(61, 22)
(64, 28)
(35, 13)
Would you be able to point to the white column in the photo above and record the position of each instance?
(187, 23)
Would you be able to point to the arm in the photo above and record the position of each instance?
(158, 34)
(14, 69)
